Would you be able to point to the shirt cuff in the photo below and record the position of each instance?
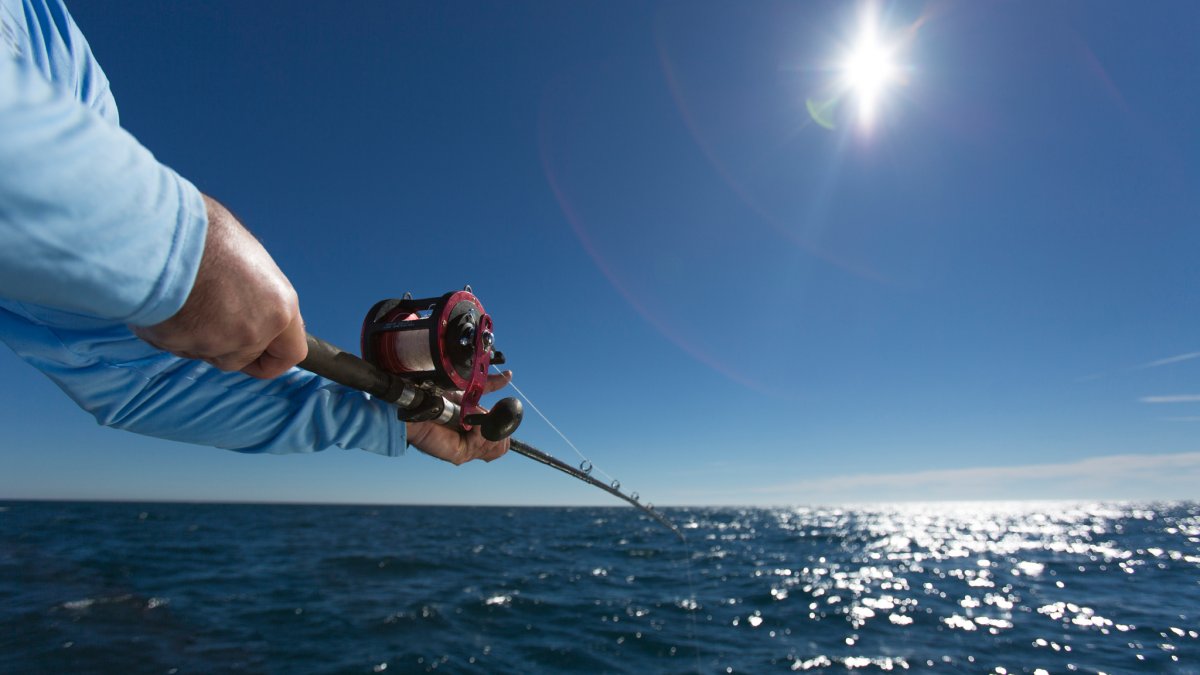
(397, 436)
(183, 260)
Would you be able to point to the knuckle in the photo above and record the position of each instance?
(279, 320)
(275, 321)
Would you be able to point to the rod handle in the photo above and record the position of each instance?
(331, 362)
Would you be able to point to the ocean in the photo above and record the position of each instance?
(948, 588)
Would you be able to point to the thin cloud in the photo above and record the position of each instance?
(1171, 359)
(1178, 358)
(1175, 398)
(1152, 476)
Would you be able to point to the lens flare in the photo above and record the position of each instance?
(866, 72)
(869, 70)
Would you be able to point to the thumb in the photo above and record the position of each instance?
(497, 382)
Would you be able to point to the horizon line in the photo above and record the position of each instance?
(831, 504)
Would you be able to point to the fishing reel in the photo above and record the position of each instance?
(443, 347)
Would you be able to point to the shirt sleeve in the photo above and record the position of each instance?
(90, 221)
(127, 384)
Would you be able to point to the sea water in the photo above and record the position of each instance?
(1000, 588)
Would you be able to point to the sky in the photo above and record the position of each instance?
(737, 252)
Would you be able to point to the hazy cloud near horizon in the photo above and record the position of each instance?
(1152, 476)
(1172, 398)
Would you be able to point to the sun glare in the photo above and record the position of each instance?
(869, 70)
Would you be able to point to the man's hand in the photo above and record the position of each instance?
(459, 447)
(242, 313)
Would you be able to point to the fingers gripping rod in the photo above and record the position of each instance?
(330, 362)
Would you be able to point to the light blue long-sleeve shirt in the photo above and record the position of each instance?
(97, 235)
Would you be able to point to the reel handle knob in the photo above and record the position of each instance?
(501, 421)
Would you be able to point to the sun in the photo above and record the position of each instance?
(869, 69)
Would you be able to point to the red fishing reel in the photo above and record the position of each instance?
(442, 345)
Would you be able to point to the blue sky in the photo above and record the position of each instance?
(991, 292)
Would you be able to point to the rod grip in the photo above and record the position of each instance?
(331, 362)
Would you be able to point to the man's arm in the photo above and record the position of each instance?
(91, 222)
(93, 225)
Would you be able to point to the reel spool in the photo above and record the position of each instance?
(441, 344)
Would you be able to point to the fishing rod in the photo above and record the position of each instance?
(430, 358)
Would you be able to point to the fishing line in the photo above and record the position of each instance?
(561, 435)
(584, 472)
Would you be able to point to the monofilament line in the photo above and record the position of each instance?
(556, 429)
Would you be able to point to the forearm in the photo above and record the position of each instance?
(298, 412)
(127, 384)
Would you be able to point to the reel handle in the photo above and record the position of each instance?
(501, 421)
